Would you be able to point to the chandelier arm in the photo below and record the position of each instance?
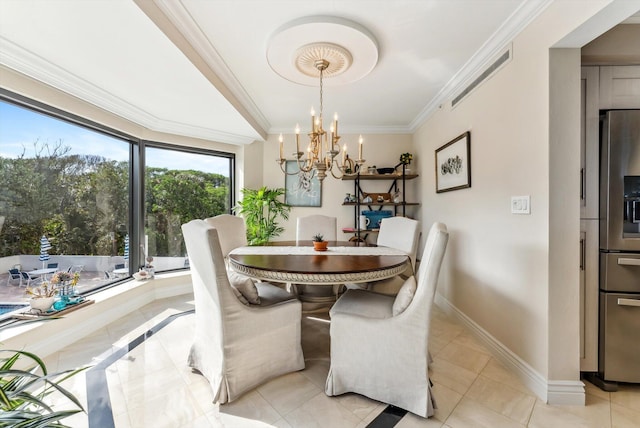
(284, 170)
(305, 166)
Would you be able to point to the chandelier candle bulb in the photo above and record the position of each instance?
(335, 123)
(297, 139)
(360, 148)
(313, 120)
(281, 147)
(344, 153)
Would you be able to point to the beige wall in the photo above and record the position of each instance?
(516, 276)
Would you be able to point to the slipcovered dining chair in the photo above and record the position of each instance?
(403, 234)
(237, 346)
(311, 225)
(379, 342)
(232, 232)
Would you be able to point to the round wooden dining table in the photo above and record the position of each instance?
(298, 262)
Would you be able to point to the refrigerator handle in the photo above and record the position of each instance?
(628, 302)
(635, 213)
(628, 262)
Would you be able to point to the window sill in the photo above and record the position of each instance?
(51, 335)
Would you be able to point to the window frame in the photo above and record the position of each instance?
(137, 147)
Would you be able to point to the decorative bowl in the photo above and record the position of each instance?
(386, 170)
(42, 304)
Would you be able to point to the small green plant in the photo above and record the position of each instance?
(406, 158)
(261, 209)
(318, 237)
(23, 392)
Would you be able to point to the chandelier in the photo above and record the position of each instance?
(323, 147)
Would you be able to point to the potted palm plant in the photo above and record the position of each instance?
(261, 209)
(23, 392)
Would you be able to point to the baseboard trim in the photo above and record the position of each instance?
(560, 392)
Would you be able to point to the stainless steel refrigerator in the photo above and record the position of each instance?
(619, 312)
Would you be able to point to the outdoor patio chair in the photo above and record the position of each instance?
(29, 279)
(14, 275)
(75, 268)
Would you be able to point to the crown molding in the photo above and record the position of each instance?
(178, 15)
(29, 64)
(355, 130)
(512, 26)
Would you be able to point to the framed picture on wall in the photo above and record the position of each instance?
(453, 164)
(302, 189)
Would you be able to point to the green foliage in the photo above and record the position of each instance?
(82, 203)
(23, 392)
(260, 209)
(176, 197)
(318, 237)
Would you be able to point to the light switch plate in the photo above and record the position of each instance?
(520, 205)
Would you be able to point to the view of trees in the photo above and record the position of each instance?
(81, 203)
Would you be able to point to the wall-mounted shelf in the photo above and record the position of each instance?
(398, 182)
(373, 204)
(378, 177)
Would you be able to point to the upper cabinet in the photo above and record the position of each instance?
(619, 87)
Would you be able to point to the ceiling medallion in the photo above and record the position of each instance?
(307, 56)
(351, 50)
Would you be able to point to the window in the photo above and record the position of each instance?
(86, 189)
(68, 184)
(181, 186)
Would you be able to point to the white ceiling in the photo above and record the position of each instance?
(199, 68)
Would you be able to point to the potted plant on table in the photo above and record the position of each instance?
(319, 244)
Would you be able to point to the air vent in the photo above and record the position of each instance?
(494, 67)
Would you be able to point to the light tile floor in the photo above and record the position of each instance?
(151, 385)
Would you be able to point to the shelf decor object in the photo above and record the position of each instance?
(453, 164)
